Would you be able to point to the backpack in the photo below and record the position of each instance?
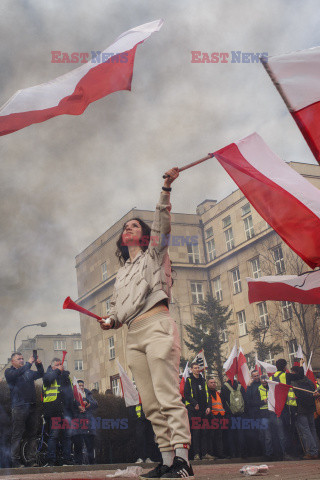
(236, 399)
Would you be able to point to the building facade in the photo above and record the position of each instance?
(212, 252)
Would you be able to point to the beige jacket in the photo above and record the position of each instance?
(147, 280)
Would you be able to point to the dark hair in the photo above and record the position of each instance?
(295, 369)
(122, 251)
(14, 354)
(80, 381)
(193, 364)
(281, 364)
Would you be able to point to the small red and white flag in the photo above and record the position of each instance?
(268, 367)
(286, 200)
(231, 364)
(72, 93)
(257, 366)
(77, 393)
(129, 391)
(296, 77)
(309, 373)
(292, 288)
(184, 379)
(200, 359)
(243, 373)
(277, 396)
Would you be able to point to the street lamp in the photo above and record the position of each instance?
(41, 324)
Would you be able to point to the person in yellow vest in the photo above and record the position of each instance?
(266, 433)
(285, 424)
(147, 449)
(214, 436)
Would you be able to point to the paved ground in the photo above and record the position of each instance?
(302, 470)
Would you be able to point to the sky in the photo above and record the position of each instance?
(66, 181)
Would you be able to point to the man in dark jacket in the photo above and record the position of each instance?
(305, 416)
(253, 406)
(59, 408)
(20, 379)
(197, 402)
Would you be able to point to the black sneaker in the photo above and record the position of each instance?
(179, 469)
(156, 472)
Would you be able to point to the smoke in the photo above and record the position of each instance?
(65, 181)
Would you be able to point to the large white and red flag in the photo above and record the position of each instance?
(129, 391)
(231, 364)
(73, 92)
(296, 77)
(286, 200)
(184, 379)
(268, 367)
(277, 396)
(243, 373)
(257, 366)
(77, 393)
(200, 359)
(309, 373)
(293, 288)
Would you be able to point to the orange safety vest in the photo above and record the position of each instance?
(217, 405)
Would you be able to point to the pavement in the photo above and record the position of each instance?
(221, 470)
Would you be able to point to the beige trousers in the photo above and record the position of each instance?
(153, 352)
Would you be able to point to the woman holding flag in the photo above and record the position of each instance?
(140, 300)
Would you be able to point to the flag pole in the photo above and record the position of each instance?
(298, 388)
(210, 155)
(264, 61)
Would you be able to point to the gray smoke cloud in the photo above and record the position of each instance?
(65, 181)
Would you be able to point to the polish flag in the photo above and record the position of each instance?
(268, 367)
(129, 391)
(200, 359)
(277, 396)
(309, 373)
(77, 392)
(293, 288)
(286, 200)
(243, 370)
(296, 77)
(230, 365)
(184, 379)
(257, 366)
(73, 92)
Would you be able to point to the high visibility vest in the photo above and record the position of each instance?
(50, 394)
(217, 405)
(263, 395)
(282, 378)
(205, 387)
(138, 410)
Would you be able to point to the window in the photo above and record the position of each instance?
(248, 227)
(250, 360)
(96, 386)
(278, 260)
(286, 308)
(263, 314)
(229, 239)
(245, 209)
(196, 292)
(211, 249)
(78, 364)
(193, 253)
(59, 345)
(292, 349)
(224, 335)
(255, 267)
(236, 281)
(269, 358)
(104, 271)
(226, 221)
(107, 305)
(209, 232)
(217, 288)
(115, 385)
(112, 351)
(77, 344)
(241, 316)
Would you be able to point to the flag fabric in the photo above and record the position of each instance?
(71, 93)
(277, 396)
(268, 367)
(299, 356)
(200, 359)
(309, 373)
(184, 379)
(257, 366)
(292, 288)
(296, 77)
(243, 373)
(77, 392)
(129, 391)
(286, 200)
(231, 364)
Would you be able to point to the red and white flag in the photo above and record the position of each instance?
(309, 373)
(243, 370)
(200, 359)
(296, 77)
(286, 200)
(257, 366)
(129, 391)
(293, 288)
(268, 367)
(277, 396)
(231, 364)
(73, 92)
(77, 392)
(184, 379)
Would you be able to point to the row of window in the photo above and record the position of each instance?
(78, 365)
(62, 345)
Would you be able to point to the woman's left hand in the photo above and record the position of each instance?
(173, 173)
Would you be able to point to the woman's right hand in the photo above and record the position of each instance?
(104, 325)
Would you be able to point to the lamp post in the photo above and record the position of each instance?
(41, 324)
